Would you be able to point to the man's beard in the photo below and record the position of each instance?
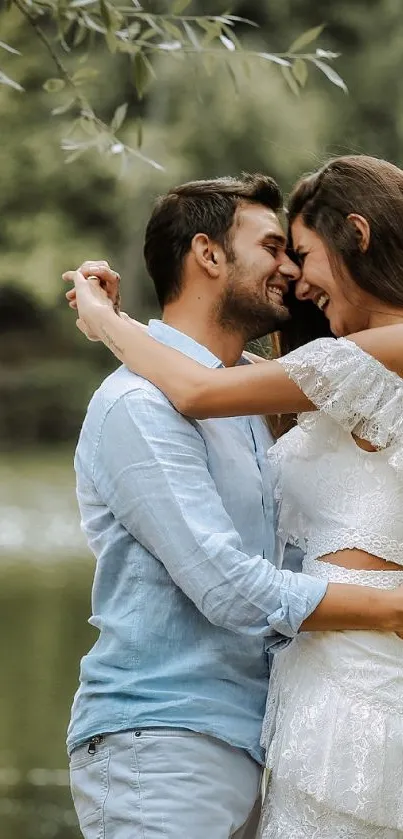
(240, 309)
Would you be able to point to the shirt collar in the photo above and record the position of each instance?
(179, 341)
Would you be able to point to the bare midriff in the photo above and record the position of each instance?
(360, 561)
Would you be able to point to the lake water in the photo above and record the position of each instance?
(45, 581)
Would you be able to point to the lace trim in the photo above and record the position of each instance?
(353, 388)
(295, 527)
(352, 576)
(320, 544)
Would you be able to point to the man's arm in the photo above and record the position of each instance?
(151, 469)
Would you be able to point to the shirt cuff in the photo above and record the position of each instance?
(295, 607)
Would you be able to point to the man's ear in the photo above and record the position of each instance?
(363, 230)
(206, 254)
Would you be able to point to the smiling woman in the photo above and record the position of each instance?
(346, 223)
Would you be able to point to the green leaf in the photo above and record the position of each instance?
(111, 17)
(237, 19)
(75, 155)
(9, 49)
(147, 34)
(106, 14)
(212, 30)
(223, 19)
(328, 54)
(231, 35)
(54, 85)
(228, 43)
(191, 35)
(129, 47)
(111, 41)
(306, 38)
(170, 46)
(154, 24)
(150, 67)
(62, 109)
(299, 70)
(80, 35)
(85, 74)
(119, 117)
(331, 74)
(179, 6)
(142, 73)
(9, 82)
(172, 30)
(275, 58)
(133, 29)
(289, 78)
(72, 145)
(92, 24)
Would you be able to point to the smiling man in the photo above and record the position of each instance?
(165, 728)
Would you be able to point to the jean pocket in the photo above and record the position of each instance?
(89, 780)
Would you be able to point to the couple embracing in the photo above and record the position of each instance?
(189, 504)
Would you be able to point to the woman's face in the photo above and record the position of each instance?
(327, 290)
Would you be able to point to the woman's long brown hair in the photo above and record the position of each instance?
(306, 324)
(353, 184)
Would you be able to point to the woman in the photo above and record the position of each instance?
(334, 724)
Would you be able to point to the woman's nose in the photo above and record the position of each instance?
(303, 290)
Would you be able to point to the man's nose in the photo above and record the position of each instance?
(289, 270)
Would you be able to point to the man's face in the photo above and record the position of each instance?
(258, 273)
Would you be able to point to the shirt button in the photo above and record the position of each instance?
(137, 733)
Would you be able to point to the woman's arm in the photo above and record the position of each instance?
(193, 389)
(198, 391)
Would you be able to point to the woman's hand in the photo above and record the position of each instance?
(108, 278)
(91, 301)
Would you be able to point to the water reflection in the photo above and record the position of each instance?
(45, 580)
(38, 512)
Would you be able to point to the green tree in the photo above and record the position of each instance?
(72, 33)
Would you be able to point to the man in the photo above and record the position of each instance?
(164, 735)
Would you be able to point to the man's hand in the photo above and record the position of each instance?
(109, 281)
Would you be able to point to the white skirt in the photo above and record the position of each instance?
(333, 729)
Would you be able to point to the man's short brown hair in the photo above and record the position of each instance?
(198, 207)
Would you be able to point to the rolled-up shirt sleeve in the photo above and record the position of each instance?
(151, 469)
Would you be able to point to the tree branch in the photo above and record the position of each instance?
(64, 73)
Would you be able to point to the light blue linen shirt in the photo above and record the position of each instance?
(186, 598)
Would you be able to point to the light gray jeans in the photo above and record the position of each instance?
(167, 784)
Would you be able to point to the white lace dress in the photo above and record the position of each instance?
(334, 721)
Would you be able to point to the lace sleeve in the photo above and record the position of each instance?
(351, 387)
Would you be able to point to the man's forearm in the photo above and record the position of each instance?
(357, 607)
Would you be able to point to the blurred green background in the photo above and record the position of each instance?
(55, 215)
